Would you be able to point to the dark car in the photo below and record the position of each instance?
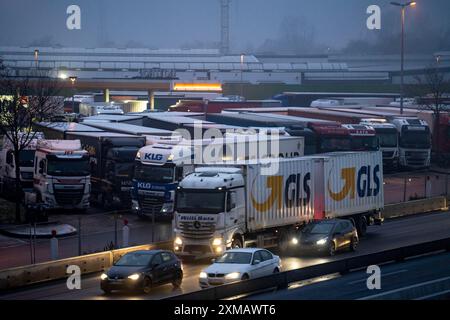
(142, 270)
(326, 236)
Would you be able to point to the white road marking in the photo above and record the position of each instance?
(382, 275)
(404, 288)
(433, 295)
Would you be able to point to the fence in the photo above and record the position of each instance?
(413, 186)
(81, 234)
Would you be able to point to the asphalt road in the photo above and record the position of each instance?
(394, 233)
(423, 278)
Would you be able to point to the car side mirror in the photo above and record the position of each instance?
(154, 265)
(256, 262)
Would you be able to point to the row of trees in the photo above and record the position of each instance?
(24, 100)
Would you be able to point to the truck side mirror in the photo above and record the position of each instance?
(233, 200)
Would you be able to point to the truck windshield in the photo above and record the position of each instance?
(200, 201)
(153, 173)
(387, 140)
(415, 139)
(68, 167)
(332, 144)
(27, 158)
(123, 155)
(365, 143)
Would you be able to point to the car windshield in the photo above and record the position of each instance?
(318, 228)
(68, 167)
(135, 259)
(388, 140)
(153, 173)
(364, 143)
(332, 144)
(27, 158)
(200, 201)
(235, 257)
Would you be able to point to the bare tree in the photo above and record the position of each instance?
(23, 100)
(433, 87)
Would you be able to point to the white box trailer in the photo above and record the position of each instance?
(223, 206)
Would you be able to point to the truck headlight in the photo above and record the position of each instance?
(167, 207)
(134, 277)
(104, 276)
(321, 242)
(233, 276)
(178, 241)
(135, 204)
(217, 242)
(203, 275)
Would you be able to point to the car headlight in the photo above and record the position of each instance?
(217, 242)
(294, 241)
(134, 276)
(104, 276)
(135, 204)
(167, 207)
(203, 275)
(178, 241)
(321, 242)
(233, 276)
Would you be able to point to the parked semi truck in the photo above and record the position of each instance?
(59, 130)
(228, 206)
(160, 167)
(61, 177)
(414, 136)
(111, 163)
(88, 109)
(26, 158)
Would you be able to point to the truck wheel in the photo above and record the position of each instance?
(361, 226)
(236, 244)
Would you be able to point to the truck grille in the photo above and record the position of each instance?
(197, 230)
(151, 205)
(197, 248)
(416, 158)
(69, 196)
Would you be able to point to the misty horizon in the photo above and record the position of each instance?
(284, 26)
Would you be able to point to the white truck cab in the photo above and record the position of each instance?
(210, 210)
(7, 164)
(388, 138)
(61, 176)
(414, 142)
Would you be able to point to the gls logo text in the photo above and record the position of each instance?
(364, 182)
(73, 21)
(374, 20)
(295, 191)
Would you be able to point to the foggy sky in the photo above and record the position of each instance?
(178, 23)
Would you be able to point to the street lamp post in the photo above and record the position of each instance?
(73, 79)
(36, 58)
(403, 7)
(242, 74)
